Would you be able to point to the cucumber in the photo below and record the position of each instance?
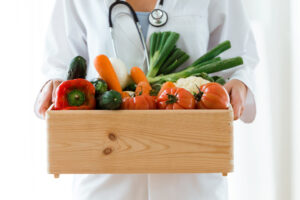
(77, 68)
(100, 86)
(110, 100)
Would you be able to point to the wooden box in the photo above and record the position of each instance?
(131, 142)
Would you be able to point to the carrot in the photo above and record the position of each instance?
(138, 75)
(107, 72)
(165, 86)
(125, 94)
(143, 88)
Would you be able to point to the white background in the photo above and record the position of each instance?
(266, 152)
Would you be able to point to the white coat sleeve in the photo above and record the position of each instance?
(66, 39)
(227, 21)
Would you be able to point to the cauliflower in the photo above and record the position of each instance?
(191, 83)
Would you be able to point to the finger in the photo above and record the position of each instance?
(237, 111)
(55, 85)
(45, 99)
(228, 87)
(236, 103)
(242, 110)
(44, 109)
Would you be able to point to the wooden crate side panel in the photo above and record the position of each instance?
(140, 142)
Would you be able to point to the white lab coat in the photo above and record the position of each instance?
(80, 27)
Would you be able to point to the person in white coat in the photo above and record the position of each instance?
(80, 27)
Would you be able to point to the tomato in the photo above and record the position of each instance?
(166, 85)
(143, 88)
(212, 96)
(176, 98)
(142, 102)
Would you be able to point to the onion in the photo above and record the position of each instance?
(121, 71)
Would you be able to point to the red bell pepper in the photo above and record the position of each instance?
(77, 94)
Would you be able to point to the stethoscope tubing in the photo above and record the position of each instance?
(137, 24)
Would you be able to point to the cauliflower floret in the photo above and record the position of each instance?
(191, 83)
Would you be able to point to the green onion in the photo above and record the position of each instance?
(152, 44)
(197, 69)
(214, 52)
(162, 51)
(176, 63)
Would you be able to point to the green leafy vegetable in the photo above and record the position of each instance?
(198, 69)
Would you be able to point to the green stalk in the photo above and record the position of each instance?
(160, 56)
(175, 55)
(208, 68)
(217, 59)
(214, 52)
(176, 64)
(164, 38)
(152, 44)
(157, 44)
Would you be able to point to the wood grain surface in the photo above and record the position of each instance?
(126, 142)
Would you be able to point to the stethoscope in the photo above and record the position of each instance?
(157, 18)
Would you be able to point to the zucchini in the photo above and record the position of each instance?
(77, 69)
(110, 100)
(100, 86)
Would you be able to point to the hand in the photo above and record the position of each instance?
(46, 97)
(238, 94)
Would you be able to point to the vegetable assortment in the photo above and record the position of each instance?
(164, 87)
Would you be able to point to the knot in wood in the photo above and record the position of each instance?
(107, 151)
(112, 137)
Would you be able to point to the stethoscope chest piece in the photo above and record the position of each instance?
(158, 18)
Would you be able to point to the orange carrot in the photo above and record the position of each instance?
(165, 86)
(138, 75)
(125, 94)
(107, 72)
(143, 88)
